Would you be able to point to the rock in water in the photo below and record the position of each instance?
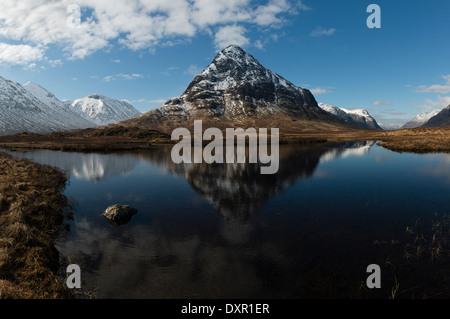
(119, 214)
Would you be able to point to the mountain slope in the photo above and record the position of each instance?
(440, 119)
(358, 117)
(59, 108)
(103, 110)
(22, 111)
(419, 119)
(236, 90)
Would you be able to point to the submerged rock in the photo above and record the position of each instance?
(119, 214)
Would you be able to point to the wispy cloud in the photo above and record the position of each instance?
(381, 102)
(440, 101)
(319, 90)
(393, 112)
(430, 105)
(436, 88)
(319, 32)
(150, 101)
(122, 76)
(193, 70)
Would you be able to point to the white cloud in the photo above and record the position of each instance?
(319, 31)
(269, 14)
(136, 24)
(155, 101)
(436, 88)
(55, 63)
(381, 102)
(318, 91)
(20, 54)
(231, 34)
(258, 44)
(122, 76)
(441, 102)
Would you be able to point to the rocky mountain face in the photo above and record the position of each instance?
(358, 117)
(236, 90)
(419, 119)
(103, 110)
(31, 108)
(440, 119)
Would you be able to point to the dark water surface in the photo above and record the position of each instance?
(226, 231)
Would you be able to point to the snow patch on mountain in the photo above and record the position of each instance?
(420, 119)
(22, 110)
(104, 110)
(359, 117)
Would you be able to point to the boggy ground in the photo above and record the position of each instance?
(116, 138)
(31, 214)
(88, 140)
(418, 140)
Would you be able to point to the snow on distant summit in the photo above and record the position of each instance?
(420, 119)
(60, 108)
(359, 117)
(103, 110)
(441, 119)
(33, 109)
(22, 110)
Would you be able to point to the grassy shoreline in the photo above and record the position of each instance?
(418, 140)
(31, 213)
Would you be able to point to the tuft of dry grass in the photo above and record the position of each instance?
(416, 266)
(31, 213)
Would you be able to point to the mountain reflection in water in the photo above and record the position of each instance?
(236, 191)
(225, 230)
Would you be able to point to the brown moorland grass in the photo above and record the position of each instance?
(31, 212)
(88, 140)
(116, 138)
(417, 140)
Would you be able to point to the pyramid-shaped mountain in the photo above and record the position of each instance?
(235, 90)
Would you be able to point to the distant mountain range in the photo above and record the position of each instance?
(235, 90)
(31, 108)
(358, 117)
(436, 118)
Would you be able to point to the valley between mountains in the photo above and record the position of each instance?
(234, 90)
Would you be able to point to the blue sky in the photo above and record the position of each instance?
(147, 51)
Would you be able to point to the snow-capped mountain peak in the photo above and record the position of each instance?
(420, 119)
(233, 66)
(359, 117)
(103, 110)
(31, 108)
(236, 90)
(440, 119)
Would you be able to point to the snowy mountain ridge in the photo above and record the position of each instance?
(103, 110)
(420, 119)
(359, 117)
(33, 109)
